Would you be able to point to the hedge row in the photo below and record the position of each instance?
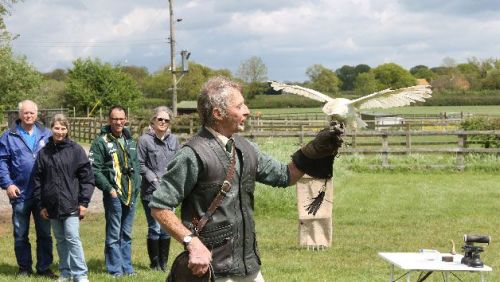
(470, 98)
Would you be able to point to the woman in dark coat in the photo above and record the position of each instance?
(63, 187)
(155, 149)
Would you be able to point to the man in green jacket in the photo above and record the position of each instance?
(117, 173)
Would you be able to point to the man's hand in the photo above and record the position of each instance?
(113, 193)
(82, 212)
(13, 192)
(44, 213)
(199, 257)
(326, 142)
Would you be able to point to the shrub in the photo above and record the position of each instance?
(483, 123)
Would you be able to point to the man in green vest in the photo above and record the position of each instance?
(195, 176)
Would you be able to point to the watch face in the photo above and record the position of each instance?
(187, 239)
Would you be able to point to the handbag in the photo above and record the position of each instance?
(180, 271)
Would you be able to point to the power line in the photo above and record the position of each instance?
(38, 43)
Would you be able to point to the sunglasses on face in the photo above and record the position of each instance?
(163, 119)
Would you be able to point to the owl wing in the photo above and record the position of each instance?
(302, 91)
(389, 98)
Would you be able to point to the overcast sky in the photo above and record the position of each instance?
(289, 36)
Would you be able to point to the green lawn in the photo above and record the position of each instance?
(373, 212)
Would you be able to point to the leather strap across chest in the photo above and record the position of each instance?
(225, 188)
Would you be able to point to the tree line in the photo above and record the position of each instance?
(90, 84)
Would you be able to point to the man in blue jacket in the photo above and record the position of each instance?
(19, 147)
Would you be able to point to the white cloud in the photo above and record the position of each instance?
(289, 35)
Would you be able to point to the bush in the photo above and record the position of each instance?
(483, 123)
(281, 101)
(463, 98)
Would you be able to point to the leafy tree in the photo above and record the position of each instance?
(323, 79)
(492, 80)
(472, 73)
(93, 83)
(483, 123)
(253, 89)
(18, 79)
(366, 83)
(159, 85)
(362, 68)
(422, 71)
(253, 70)
(346, 74)
(442, 70)
(52, 94)
(139, 74)
(191, 84)
(57, 74)
(449, 62)
(5, 6)
(393, 76)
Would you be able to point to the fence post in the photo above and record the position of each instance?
(191, 125)
(385, 147)
(353, 139)
(408, 141)
(301, 136)
(462, 143)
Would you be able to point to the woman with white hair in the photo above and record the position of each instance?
(155, 149)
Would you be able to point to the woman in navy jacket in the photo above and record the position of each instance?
(63, 187)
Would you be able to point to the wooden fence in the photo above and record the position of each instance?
(86, 129)
(387, 140)
(408, 142)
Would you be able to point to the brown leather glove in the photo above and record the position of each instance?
(326, 142)
(316, 157)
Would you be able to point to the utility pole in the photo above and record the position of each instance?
(172, 58)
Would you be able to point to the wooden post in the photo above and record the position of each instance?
(353, 139)
(408, 140)
(301, 137)
(191, 125)
(385, 154)
(462, 143)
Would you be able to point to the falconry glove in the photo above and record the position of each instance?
(316, 157)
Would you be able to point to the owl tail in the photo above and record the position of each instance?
(360, 123)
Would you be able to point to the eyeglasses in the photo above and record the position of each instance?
(118, 119)
(163, 119)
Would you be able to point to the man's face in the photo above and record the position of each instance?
(28, 114)
(117, 120)
(237, 113)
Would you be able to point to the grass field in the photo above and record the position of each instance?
(372, 212)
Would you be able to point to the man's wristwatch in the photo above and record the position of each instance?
(187, 239)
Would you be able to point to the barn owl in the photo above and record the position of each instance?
(347, 111)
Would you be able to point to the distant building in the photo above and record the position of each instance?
(382, 121)
(186, 107)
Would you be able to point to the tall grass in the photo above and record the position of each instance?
(373, 211)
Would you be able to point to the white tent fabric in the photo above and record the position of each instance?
(315, 231)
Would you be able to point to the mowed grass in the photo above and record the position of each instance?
(372, 212)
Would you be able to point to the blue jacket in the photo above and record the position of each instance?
(17, 159)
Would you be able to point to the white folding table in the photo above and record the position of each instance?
(428, 263)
